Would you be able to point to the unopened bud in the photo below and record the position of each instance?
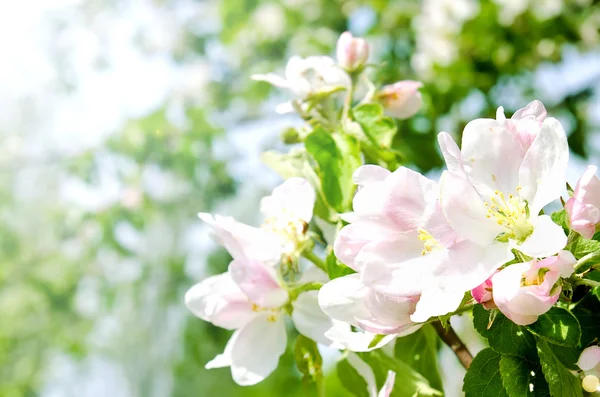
(402, 99)
(590, 384)
(290, 136)
(352, 53)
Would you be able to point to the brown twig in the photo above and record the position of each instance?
(453, 341)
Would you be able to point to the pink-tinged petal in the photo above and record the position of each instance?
(352, 238)
(467, 265)
(243, 241)
(483, 292)
(584, 207)
(218, 300)
(436, 302)
(388, 386)
(534, 109)
(589, 358)
(491, 157)
(224, 359)
(542, 174)
(258, 282)
(293, 200)
(365, 371)
(343, 299)
(393, 310)
(451, 153)
(397, 267)
(547, 238)
(257, 348)
(583, 218)
(369, 173)
(309, 319)
(343, 335)
(402, 99)
(464, 210)
(563, 264)
(411, 199)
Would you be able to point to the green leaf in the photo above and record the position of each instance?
(309, 363)
(351, 379)
(483, 378)
(557, 326)
(504, 336)
(560, 218)
(518, 380)
(379, 129)
(337, 156)
(587, 312)
(561, 381)
(419, 351)
(409, 383)
(335, 268)
(582, 246)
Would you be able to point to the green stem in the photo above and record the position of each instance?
(348, 100)
(585, 281)
(589, 257)
(295, 291)
(318, 262)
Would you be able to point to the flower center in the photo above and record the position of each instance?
(291, 231)
(534, 278)
(511, 213)
(429, 242)
(272, 317)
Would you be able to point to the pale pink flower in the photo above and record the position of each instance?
(399, 241)
(583, 207)
(499, 181)
(524, 291)
(352, 53)
(402, 99)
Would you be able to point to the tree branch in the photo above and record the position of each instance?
(453, 341)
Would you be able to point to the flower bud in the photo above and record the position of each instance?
(589, 362)
(583, 207)
(524, 291)
(352, 53)
(483, 294)
(402, 99)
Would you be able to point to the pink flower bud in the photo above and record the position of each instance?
(352, 53)
(583, 207)
(402, 99)
(483, 294)
(524, 291)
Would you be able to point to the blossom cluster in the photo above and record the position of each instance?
(412, 250)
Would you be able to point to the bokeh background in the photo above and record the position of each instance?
(121, 119)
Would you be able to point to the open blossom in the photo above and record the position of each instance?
(524, 291)
(506, 171)
(397, 240)
(287, 211)
(402, 99)
(308, 77)
(368, 375)
(249, 299)
(589, 362)
(583, 207)
(352, 52)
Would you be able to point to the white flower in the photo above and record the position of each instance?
(498, 182)
(308, 77)
(589, 362)
(249, 299)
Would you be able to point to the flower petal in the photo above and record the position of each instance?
(218, 300)
(352, 238)
(436, 302)
(451, 153)
(534, 109)
(258, 282)
(342, 334)
(464, 210)
(369, 173)
(343, 299)
(542, 175)
(467, 265)
(547, 238)
(224, 359)
(272, 78)
(386, 390)
(309, 319)
(589, 358)
(293, 200)
(257, 348)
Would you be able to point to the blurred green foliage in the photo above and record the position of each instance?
(50, 259)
